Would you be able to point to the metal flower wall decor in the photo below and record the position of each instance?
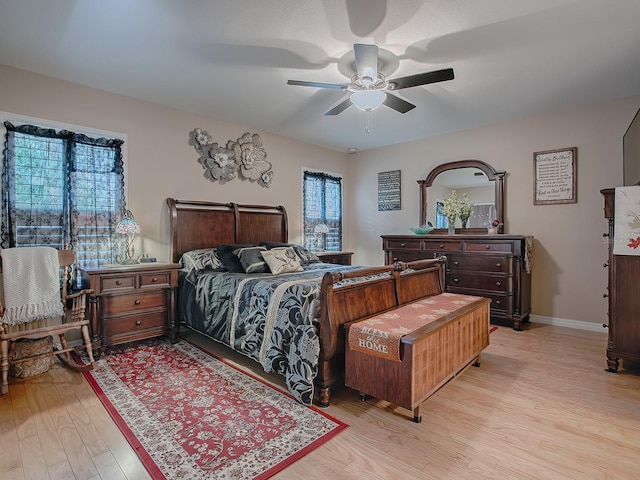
(245, 158)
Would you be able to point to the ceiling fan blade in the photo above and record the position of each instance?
(398, 104)
(302, 83)
(421, 79)
(341, 107)
(366, 61)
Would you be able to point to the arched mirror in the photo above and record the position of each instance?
(483, 184)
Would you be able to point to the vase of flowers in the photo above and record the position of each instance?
(493, 226)
(465, 209)
(451, 210)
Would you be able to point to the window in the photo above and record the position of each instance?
(62, 188)
(441, 220)
(322, 205)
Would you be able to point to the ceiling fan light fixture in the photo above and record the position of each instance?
(367, 100)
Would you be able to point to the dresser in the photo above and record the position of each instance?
(132, 302)
(623, 298)
(491, 266)
(338, 258)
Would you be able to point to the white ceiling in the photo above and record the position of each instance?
(231, 59)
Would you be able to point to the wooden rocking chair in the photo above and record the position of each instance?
(74, 318)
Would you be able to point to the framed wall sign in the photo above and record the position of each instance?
(389, 190)
(555, 176)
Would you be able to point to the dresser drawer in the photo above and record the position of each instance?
(443, 246)
(404, 244)
(113, 305)
(481, 263)
(477, 281)
(126, 329)
(472, 246)
(155, 279)
(108, 284)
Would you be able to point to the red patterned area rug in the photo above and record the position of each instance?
(190, 415)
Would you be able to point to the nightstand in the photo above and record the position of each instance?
(132, 302)
(339, 258)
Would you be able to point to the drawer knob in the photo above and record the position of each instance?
(488, 247)
(498, 284)
(456, 263)
(137, 302)
(138, 322)
(456, 280)
(118, 282)
(498, 264)
(154, 279)
(498, 302)
(441, 245)
(402, 244)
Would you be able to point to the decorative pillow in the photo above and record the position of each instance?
(307, 257)
(251, 260)
(282, 260)
(229, 260)
(201, 259)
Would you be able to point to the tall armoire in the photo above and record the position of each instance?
(623, 295)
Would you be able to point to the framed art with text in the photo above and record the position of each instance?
(555, 176)
(389, 190)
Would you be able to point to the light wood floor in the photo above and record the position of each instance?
(540, 406)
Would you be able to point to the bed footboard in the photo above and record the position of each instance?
(349, 296)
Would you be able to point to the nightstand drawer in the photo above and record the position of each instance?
(135, 326)
(155, 279)
(117, 283)
(113, 305)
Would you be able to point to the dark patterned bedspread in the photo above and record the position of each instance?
(270, 318)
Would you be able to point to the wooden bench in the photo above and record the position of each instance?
(450, 335)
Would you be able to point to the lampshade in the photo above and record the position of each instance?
(321, 228)
(128, 225)
(368, 100)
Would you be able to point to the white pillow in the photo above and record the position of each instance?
(282, 260)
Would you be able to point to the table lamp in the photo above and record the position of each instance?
(129, 227)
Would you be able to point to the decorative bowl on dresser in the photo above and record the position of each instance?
(132, 302)
(491, 266)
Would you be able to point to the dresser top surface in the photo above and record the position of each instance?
(459, 236)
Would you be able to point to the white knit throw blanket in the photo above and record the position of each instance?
(31, 281)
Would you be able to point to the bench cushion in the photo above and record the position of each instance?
(381, 334)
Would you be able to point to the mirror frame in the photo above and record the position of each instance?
(491, 173)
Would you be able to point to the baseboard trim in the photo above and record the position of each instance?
(565, 322)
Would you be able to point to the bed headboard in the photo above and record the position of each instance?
(195, 224)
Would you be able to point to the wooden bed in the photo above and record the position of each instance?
(199, 224)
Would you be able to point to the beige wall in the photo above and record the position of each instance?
(161, 164)
(568, 277)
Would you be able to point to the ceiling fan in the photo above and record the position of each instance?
(369, 89)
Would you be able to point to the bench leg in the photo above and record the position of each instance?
(476, 362)
(416, 415)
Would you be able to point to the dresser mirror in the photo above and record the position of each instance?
(483, 184)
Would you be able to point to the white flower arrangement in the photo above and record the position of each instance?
(465, 206)
(451, 206)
